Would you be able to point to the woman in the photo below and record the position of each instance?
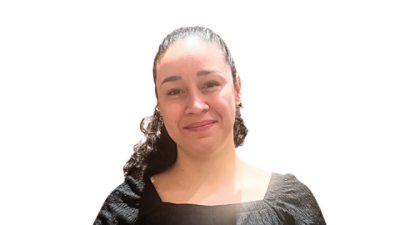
(186, 171)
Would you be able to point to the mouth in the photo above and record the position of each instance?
(201, 125)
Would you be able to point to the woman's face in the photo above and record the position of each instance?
(196, 94)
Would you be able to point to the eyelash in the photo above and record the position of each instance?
(174, 91)
(207, 85)
(211, 84)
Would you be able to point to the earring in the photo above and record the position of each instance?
(157, 114)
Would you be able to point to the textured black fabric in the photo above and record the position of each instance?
(287, 201)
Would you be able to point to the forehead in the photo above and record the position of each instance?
(192, 51)
(191, 43)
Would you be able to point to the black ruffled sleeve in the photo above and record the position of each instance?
(294, 202)
(122, 206)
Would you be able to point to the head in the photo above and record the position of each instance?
(198, 100)
(198, 89)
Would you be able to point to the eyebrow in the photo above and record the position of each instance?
(205, 72)
(170, 79)
(176, 77)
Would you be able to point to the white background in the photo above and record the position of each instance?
(320, 92)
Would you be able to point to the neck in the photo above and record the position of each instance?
(210, 167)
(210, 178)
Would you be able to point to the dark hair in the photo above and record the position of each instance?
(157, 151)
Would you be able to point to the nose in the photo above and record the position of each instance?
(196, 104)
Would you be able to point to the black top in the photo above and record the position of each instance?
(287, 201)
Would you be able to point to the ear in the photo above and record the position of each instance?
(158, 106)
(238, 89)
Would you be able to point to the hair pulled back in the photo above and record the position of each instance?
(157, 151)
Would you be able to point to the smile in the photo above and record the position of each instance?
(198, 126)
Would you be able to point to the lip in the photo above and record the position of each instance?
(197, 126)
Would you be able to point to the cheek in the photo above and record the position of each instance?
(229, 97)
(170, 114)
(171, 119)
(225, 104)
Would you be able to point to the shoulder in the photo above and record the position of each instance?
(286, 184)
(122, 204)
(293, 199)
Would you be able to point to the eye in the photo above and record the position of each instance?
(174, 92)
(211, 84)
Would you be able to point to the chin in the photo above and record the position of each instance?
(206, 145)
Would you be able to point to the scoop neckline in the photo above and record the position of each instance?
(245, 204)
